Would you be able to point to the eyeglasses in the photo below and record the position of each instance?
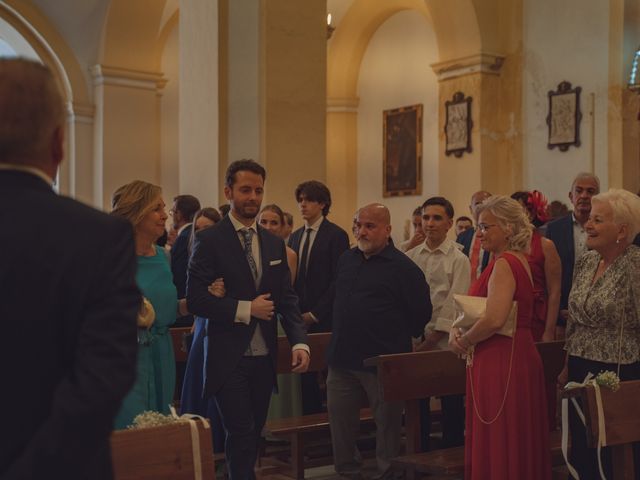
(483, 227)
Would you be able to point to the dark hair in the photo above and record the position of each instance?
(275, 209)
(224, 209)
(187, 205)
(289, 218)
(316, 192)
(417, 211)
(464, 219)
(207, 212)
(162, 239)
(520, 196)
(243, 165)
(443, 202)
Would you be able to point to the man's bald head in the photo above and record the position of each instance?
(372, 228)
(477, 199)
(32, 115)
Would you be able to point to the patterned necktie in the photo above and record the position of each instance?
(247, 236)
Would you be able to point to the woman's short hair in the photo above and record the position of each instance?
(626, 209)
(511, 217)
(134, 200)
(207, 212)
(275, 209)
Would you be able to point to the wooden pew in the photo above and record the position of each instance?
(298, 429)
(622, 425)
(410, 377)
(161, 453)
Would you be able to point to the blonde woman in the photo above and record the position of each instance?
(141, 203)
(506, 421)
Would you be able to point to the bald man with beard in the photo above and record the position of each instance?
(381, 301)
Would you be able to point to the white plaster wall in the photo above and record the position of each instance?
(243, 70)
(169, 125)
(198, 86)
(569, 41)
(395, 72)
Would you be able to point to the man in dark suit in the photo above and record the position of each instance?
(569, 236)
(242, 336)
(68, 302)
(478, 257)
(183, 209)
(319, 244)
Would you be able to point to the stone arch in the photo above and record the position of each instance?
(54, 52)
(457, 36)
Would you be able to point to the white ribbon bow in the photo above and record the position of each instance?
(602, 434)
(195, 438)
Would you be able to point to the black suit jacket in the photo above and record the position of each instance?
(560, 232)
(68, 307)
(465, 239)
(180, 261)
(330, 242)
(217, 252)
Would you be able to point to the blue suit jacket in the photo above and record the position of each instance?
(217, 252)
(465, 239)
(560, 232)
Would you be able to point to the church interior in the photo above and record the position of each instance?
(171, 92)
(389, 101)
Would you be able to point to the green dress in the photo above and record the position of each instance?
(156, 371)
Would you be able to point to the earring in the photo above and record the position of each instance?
(618, 240)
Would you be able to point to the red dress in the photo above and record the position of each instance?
(540, 303)
(516, 445)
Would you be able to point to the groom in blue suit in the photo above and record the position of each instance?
(241, 346)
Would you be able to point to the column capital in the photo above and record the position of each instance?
(489, 63)
(342, 104)
(107, 75)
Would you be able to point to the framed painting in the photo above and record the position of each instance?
(402, 151)
(564, 117)
(458, 125)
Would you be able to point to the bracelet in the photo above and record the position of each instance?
(466, 343)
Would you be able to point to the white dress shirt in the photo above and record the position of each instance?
(447, 271)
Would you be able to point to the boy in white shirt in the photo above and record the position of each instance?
(447, 271)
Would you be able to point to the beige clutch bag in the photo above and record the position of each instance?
(146, 315)
(469, 310)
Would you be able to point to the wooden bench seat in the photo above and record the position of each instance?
(298, 430)
(410, 377)
(450, 461)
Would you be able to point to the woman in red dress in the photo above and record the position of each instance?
(506, 422)
(546, 270)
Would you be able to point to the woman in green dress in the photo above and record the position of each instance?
(141, 203)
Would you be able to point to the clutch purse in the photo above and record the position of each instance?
(146, 315)
(468, 310)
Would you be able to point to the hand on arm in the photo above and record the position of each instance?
(262, 307)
